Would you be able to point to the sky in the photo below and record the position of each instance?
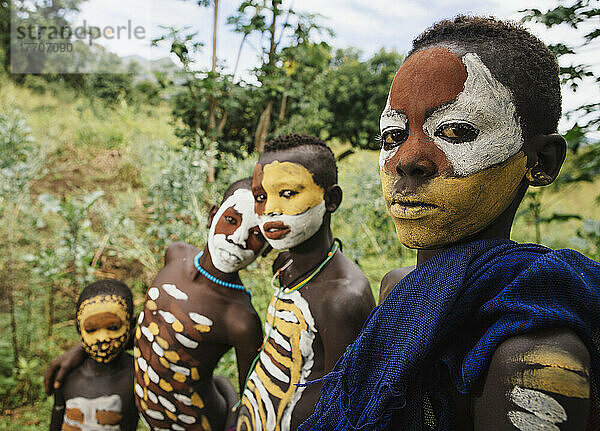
(368, 25)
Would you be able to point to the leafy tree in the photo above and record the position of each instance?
(582, 138)
(355, 94)
(584, 134)
(283, 33)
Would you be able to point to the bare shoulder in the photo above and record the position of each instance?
(179, 250)
(391, 279)
(243, 322)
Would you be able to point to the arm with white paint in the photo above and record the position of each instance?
(537, 381)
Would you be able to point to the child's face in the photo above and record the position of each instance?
(234, 239)
(289, 204)
(451, 159)
(104, 324)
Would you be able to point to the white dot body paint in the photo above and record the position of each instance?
(172, 290)
(167, 404)
(153, 375)
(141, 318)
(152, 396)
(153, 293)
(302, 226)
(167, 316)
(229, 253)
(200, 319)
(157, 349)
(139, 390)
(186, 419)
(543, 411)
(154, 414)
(486, 105)
(186, 342)
(183, 399)
(149, 336)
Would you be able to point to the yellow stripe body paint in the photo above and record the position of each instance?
(463, 205)
(554, 371)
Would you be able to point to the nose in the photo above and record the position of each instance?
(239, 237)
(417, 157)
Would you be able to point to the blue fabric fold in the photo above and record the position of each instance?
(454, 311)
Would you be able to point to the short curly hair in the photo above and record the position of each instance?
(322, 161)
(515, 57)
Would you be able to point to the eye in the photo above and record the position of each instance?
(90, 331)
(393, 138)
(230, 220)
(457, 132)
(287, 193)
(260, 197)
(114, 327)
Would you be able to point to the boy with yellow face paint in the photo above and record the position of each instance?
(485, 333)
(320, 298)
(98, 395)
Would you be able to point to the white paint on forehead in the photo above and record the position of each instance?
(487, 105)
(543, 411)
(390, 119)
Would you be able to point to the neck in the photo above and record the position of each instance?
(104, 367)
(207, 264)
(310, 253)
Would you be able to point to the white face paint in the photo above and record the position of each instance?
(486, 105)
(229, 253)
(390, 119)
(302, 226)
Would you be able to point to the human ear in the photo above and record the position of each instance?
(333, 198)
(211, 215)
(545, 156)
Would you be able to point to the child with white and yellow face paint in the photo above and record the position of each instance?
(320, 298)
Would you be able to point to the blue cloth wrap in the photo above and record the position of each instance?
(454, 311)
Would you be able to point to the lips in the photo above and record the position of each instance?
(275, 229)
(411, 209)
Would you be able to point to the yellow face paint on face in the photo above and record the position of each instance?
(290, 188)
(447, 209)
(104, 324)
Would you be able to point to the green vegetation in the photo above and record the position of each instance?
(100, 174)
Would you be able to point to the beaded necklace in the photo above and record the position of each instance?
(214, 279)
(277, 284)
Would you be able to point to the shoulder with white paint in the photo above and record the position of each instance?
(536, 381)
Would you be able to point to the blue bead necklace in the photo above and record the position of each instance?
(214, 279)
